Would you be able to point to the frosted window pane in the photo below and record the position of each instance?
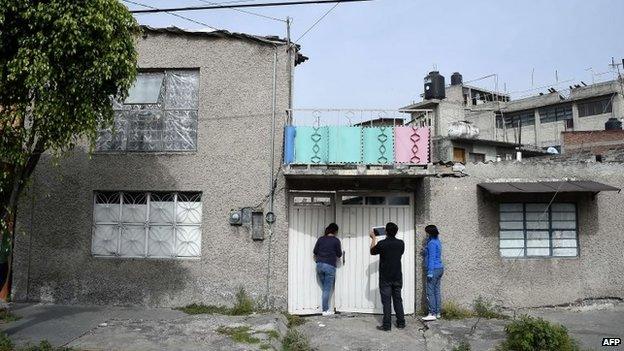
(564, 243)
(508, 234)
(565, 252)
(565, 216)
(106, 213)
(146, 89)
(538, 243)
(132, 241)
(563, 207)
(511, 243)
(188, 240)
(511, 207)
(564, 234)
(145, 130)
(537, 225)
(538, 235)
(182, 90)
(537, 216)
(538, 252)
(564, 224)
(180, 131)
(537, 207)
(511, 216)
(105, 239)
(511, 225)
(512, 253)
(160, 241)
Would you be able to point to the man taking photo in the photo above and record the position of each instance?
(390, 251)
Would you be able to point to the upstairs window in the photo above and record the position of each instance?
(538, 230)
(596, 106)
(515, 119)
(160, 114)
(555, 113)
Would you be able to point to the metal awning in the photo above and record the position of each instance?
(584, 186)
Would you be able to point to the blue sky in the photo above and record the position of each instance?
(375, 54)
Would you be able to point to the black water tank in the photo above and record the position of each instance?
(456, 79)
(613, 124)
(434, 86)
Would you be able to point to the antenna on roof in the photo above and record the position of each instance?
(583, 83)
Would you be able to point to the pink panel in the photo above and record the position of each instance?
(411, 145)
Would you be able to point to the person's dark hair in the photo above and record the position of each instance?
(432, 230)
(391, 229)
(332, 228)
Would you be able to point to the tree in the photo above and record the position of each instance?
(61, 63)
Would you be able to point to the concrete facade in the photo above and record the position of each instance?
(231, 168)
(468, 221)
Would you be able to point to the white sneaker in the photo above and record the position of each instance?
(438, 316)
(327, 313)
(429, 318)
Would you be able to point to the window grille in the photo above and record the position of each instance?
(147, 224)
(555, 113)
(538, 230)
(595, 107)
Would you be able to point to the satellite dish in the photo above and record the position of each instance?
(552, 150)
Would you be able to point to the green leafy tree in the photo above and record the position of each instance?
(61, 63)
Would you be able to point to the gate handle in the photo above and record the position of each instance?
(343, 257)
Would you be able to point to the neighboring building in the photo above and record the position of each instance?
(535, 122)
(144, 218)
(595, 142)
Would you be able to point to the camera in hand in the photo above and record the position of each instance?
(379, 231)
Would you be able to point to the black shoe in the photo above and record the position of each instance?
(400, 326)
(382, 328)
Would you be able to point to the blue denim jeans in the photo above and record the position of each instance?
(326, 274)
(433, 291)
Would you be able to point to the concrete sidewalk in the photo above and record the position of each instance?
(143, 329)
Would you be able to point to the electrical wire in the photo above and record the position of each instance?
(245, 11)
(317, 22)
(172, 14)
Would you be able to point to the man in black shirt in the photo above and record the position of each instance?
(390, 251)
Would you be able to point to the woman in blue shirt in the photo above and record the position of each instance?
(326, 252)
(435, 270)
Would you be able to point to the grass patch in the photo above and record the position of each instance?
(451, 310)
(244, 305)
(6, 316)
(293, 320)
(273, 334)
(486, 309)
(295, 341)
(528, 334)
(239, 334)
(7, 345)
(463, 346)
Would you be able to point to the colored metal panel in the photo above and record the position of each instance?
(311, 145)
(345, 144)
(289, 144)
(378, 145)
(411, 145)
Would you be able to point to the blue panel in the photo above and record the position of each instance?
(345, 144)
(289, 144)
(378, 145)
(311, 145)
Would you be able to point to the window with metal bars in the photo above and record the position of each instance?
(555, 113)
(515, 119)
(595, 106)
(538, 230)
(147, 224)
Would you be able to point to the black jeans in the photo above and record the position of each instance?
(391, 294)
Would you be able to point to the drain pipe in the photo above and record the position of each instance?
(272, 177)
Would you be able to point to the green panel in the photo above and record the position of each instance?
(311, 145)
(378, 145)
(345, 144)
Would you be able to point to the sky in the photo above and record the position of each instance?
(375, 54)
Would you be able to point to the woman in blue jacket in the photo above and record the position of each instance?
(435, 270)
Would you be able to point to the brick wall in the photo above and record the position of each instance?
(598, 142)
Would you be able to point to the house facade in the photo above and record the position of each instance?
(144, 219)
(210, 181)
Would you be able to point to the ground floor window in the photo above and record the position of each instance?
(147, 224)
(538, 230)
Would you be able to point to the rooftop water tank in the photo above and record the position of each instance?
(434, 86)
(456, 79)
(613, 124)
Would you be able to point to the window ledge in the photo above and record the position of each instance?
(143, 259)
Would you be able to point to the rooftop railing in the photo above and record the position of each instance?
(355, 136)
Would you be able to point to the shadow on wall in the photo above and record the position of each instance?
(53, 250)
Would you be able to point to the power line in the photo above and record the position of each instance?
(172, 14)
(317, 21)
(221, 6)
(244, 11)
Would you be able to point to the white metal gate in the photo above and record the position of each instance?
(357, 281)
(309, 214)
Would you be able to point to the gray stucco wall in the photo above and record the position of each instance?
(468, 221)
(53, 260)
